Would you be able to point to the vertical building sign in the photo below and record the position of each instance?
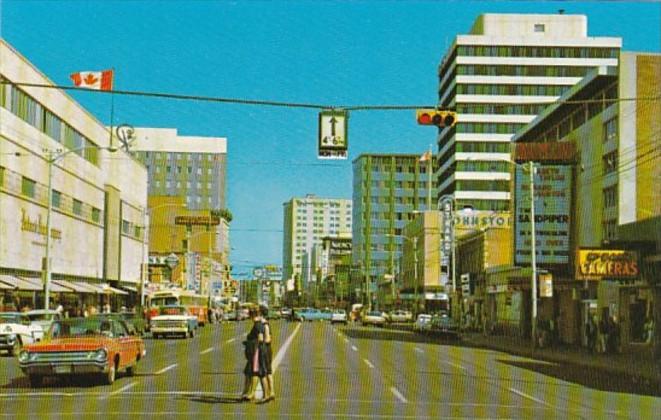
(552, 214)
(446, 239)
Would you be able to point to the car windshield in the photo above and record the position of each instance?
(41, 317)
(374, 313)
(79, 327)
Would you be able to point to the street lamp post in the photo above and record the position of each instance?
(53, 156)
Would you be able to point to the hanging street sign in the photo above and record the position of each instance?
(333, 134)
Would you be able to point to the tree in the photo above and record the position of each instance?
(222, 213)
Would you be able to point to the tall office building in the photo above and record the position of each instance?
(307, 221)
(387, 189)
(498, 78)
(190, 167)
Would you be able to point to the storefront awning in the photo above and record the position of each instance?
(74, 287)
(87, 287)
(129, 288)
(5, 286)
(18, 283)
(54, 287)
(114, 290)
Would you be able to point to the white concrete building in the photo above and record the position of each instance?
(498, 78)
(307, 221)
(98, 197)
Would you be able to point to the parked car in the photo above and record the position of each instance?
(422, 324)
(445, 326)
(16, 330)
(174, 320)
(273, 314)
(400, 316)
(230, 316)
(308, 314)
(339, 316)
(374, 318)
(77, 346)
(44, 317)
(326, 314)
(285, 313)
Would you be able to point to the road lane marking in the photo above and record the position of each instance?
(368, 363)
(119, 391)
(346, 340)
(207, 350)
(419, 350)
(165, 369)
(530, 397)
(281, 352)
(398, 394)
(455, 365)
(230, 340)
(354, 348)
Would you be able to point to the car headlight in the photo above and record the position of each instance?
(11, 338)
(23, 356)
(101, 355)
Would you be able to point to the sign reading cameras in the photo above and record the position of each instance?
(333, 134)
(552, 214)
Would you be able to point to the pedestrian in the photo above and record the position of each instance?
(591, 333)
(267, 353)
(649, 330)
(614, 335)
(603, 334)
(255, 369)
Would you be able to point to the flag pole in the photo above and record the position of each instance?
(429, 178)
(112, 106)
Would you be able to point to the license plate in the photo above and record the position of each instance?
(62, 369)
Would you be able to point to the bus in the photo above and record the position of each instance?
(197, 305)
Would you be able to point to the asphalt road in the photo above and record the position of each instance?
(325, 371)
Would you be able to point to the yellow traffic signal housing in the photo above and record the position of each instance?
(436, 117)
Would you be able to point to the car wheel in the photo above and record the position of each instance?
(132, 370)
(36, 380)
(109, 377)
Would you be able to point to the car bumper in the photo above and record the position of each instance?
(169, 330)
(64, 368)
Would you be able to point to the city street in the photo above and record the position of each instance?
(324, 371)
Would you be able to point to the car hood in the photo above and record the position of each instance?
(70, 344)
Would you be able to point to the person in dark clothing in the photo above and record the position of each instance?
(255, 369)
(591, 333)
(268, 352)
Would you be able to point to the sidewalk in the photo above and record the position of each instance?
(638, 365)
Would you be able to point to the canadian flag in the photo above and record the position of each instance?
(98, 80)
(425, 156)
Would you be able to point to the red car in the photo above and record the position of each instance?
(99, 346)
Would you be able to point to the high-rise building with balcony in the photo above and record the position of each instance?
(498, 78)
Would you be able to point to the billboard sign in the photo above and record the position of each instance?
(482, 219)
(552, 184)
(596, 264)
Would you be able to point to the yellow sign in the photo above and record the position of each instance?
(545, 285)
(608, 263)
(196, 220)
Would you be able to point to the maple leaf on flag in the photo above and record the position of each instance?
(90, 79)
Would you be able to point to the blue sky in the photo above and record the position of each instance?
(329, 52)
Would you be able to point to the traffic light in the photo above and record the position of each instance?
(436, 117)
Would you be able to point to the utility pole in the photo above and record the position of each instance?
(533, 256)
(415, 274)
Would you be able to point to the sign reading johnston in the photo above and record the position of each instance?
(552, 210)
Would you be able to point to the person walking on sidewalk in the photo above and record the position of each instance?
(591, 333)
(603, 335)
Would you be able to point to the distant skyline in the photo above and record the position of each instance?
(331, 52)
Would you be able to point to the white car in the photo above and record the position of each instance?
(173, 320)
(43, 317)
(401, 316)
(338, 315)
(374, 318)
(423, 323)
(16, 330)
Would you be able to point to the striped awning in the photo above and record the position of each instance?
(130, 288)
(54, 287)
(71, 285)
(115, 290)
(18, 283)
